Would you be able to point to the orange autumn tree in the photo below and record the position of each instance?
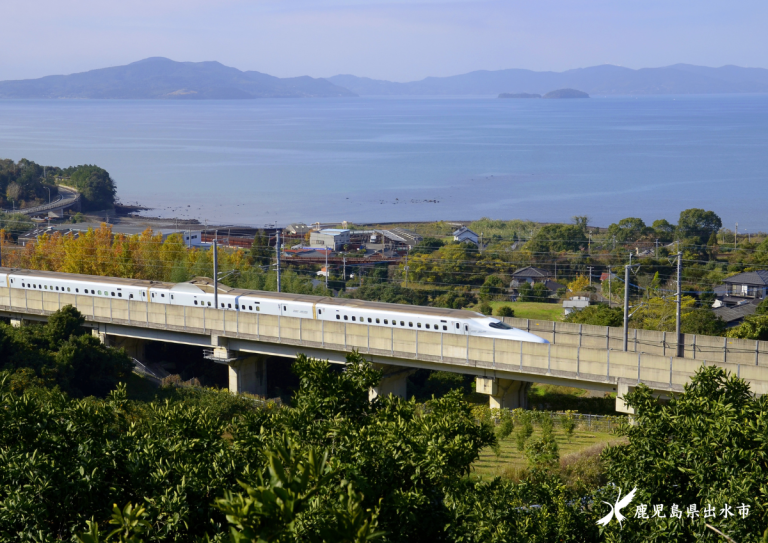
(100, 252)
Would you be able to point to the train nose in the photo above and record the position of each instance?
(534, 338)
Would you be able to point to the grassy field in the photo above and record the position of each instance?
(533, 310)
(489, 466)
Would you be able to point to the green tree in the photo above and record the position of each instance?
(426, 246)
(555, 238)
(663, 230)
(525, 292)
(485, 308)
(493, 286)
(598, 315)
(540, 293)
(629, 229)
(96, 187)
(753, 327)
(505, 311)
(705, 447)
(261, 252)
(699, 224)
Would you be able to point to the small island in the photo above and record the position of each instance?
(518, 95)
(566, 93)
(555, 94)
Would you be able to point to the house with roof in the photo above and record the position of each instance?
(742, 288)
(533, 275)
(465, 234)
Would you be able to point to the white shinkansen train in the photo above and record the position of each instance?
(199, 292)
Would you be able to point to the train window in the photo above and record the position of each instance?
(353, 318)
(369, 319)
(229, 306)
(427, 326)
(68, 290)
(57, 288)
(338, 317)
(143, 293)
(285, 308)
(171, 296)
(250, 308)
(346, 318)
(113, 294)
(418, 325)
(319, 311)
(466, 328)
(402, 323)
(34, 286)
(77, 290)
(209, 304)
(46, 287)
(195, 302)
(377, 321)
(162, 295)
(500, 326)
(410, 324)
(258, 308)
(153, 294)
(130, 296)
(457, 326)
(119, 294)
(21, 284)
(94, 292)
(386, 321)
(445, 327)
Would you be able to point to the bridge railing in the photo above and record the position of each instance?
(475, 354)
(697, 347)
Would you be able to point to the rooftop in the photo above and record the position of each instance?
(758, 277)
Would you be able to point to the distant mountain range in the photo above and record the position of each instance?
(597, 80)
(161, 78)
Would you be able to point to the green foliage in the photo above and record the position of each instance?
(427, 246)
(454, 299)
(61, 353)
(96, 187)
(753, 327)
(493, 286)
(389, 293)
(598, 315)
(629, 229)
(524, 431)
(15, 224)
(663, 230)
(699, 224)
(485, 308)
(707, 446)
(261, 252)
(505, 311)
(555, 238)
(542, 452)
(702, 321)
(568, 423)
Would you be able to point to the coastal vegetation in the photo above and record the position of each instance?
(195, 464)
(28, 184)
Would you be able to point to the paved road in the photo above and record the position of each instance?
(67, 197)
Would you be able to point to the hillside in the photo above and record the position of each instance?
(596, 80)
(162, 78)
(565, 94)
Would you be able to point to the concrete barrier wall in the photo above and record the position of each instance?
(577, 352)
(709, 348)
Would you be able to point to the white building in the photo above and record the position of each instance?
(465, 234)
(334, 238)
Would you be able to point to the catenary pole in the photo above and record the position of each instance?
(679, 305)
(215, 273)
(326, 268)
(277, 249)
(626, 305)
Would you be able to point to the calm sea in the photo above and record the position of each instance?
(394, 159)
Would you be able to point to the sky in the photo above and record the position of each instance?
(397, 40)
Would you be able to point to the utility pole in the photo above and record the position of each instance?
(656, 253)
(481, 242)
(736, 237)
(277, 248)
(589, 245)
(344, 269)
(326, 268)
(679, 304)
(626, 305)
(406, 266)
(215, 273)
(590, 274)
(610, 273)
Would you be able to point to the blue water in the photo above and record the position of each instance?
(393, 159)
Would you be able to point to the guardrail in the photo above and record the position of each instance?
(56, 204)
(696, 347)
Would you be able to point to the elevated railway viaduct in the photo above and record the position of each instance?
(504, 369)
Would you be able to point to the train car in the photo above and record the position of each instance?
(199, 292)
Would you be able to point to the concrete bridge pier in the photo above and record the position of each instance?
(249, 375)
(394, 381)
(504, 393)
